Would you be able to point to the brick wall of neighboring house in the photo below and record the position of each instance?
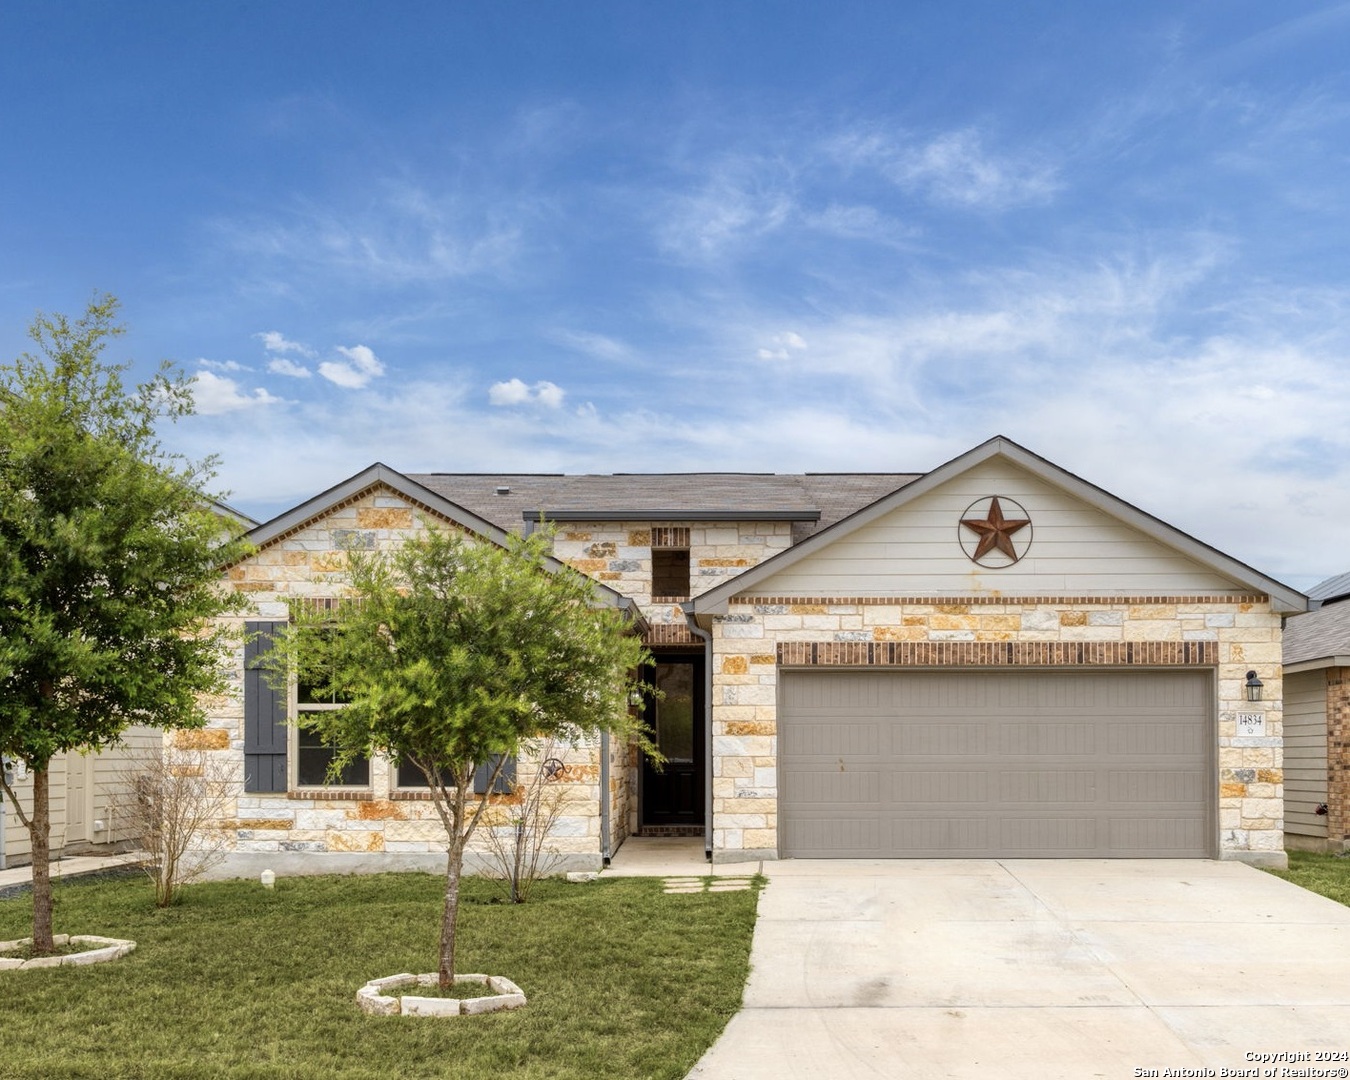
(1338, 757)
(1228, 635)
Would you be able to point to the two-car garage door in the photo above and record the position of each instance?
(979, 764)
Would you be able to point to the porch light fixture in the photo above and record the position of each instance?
(1253, 687)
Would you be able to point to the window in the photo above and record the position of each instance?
(312, 755)
(410, 776)
(670, 573)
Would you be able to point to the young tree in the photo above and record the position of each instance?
(110, 562)
(454, 652)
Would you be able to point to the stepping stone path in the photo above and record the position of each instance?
(706, 884)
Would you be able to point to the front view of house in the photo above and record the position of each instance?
(993, 659)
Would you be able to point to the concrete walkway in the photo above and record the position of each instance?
(659, 856)
(74, 866)
(1036, 969)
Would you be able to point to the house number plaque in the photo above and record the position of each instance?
(1251, 723)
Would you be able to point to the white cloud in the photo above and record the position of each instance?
(744, 199)
(221, 365)
(592, 344)
(283, 366)
(275, 342)
(782, 347)
(388, 234)
(951, 167)
(214, 395)
(515, 392)
(360, 367)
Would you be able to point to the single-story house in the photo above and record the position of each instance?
(1317, 721)
(994, 658)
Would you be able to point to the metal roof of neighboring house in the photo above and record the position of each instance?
(1334, 588)
(1321, 635)
(811, 500)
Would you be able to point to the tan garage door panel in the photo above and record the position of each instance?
(977, 764)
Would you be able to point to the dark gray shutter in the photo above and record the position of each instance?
(265, 734)
(506, 779)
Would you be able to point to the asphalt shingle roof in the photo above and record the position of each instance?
(1318, 634)
(1331, 589)
(832, 495)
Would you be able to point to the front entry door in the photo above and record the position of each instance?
(673, 796)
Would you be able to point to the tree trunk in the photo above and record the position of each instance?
(450, 915)
(39, 833)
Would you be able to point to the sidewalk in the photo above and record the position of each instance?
(20, 877)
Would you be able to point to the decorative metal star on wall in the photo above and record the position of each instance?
(995, 531)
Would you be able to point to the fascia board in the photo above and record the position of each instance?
(1284, 599)
(1314, 665)
(670, 515)
(380, 474)
(376, 474)
(716, 601)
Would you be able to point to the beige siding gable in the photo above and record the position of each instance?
(1076, 549)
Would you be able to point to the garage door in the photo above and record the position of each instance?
(977, 764)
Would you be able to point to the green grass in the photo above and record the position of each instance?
(1325, 874)
(238, 981)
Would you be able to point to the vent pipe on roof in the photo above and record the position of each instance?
(503, 490)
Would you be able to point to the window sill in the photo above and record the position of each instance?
(332, 794)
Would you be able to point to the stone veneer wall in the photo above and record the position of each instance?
(319, 829)
(619, 554)
(1230, 634)
(1338, 757)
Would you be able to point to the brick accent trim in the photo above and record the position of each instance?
(669, 634)
(324, 795)
(1001, 654)
(975, 601)
(1338, 754)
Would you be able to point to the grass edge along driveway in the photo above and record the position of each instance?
(1327, 875)
(238, 981)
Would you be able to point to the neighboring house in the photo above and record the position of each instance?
(88, 791)
(1317, 721)
(995, 658)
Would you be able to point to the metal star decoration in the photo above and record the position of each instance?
(995, 531)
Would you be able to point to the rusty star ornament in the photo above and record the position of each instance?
(995, 531)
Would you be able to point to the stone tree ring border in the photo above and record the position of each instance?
(994, 531)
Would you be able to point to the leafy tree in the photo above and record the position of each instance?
(454, 652)
(110, 562)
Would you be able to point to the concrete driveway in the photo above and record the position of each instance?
(1036, 969)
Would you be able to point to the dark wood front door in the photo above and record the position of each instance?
(673, 795)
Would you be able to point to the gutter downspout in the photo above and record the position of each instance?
(688, 608)
(604, 799)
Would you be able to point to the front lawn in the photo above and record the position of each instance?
(1325, 874)
(238, 981)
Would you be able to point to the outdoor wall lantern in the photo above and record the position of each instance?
(1253, 687)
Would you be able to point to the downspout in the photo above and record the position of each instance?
(688, 608)
(604, 799)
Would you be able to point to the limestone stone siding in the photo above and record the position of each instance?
(620, 555)
(309, 563)
(1338, 756)
(1230, 634)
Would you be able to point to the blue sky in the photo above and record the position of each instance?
(733, 236)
